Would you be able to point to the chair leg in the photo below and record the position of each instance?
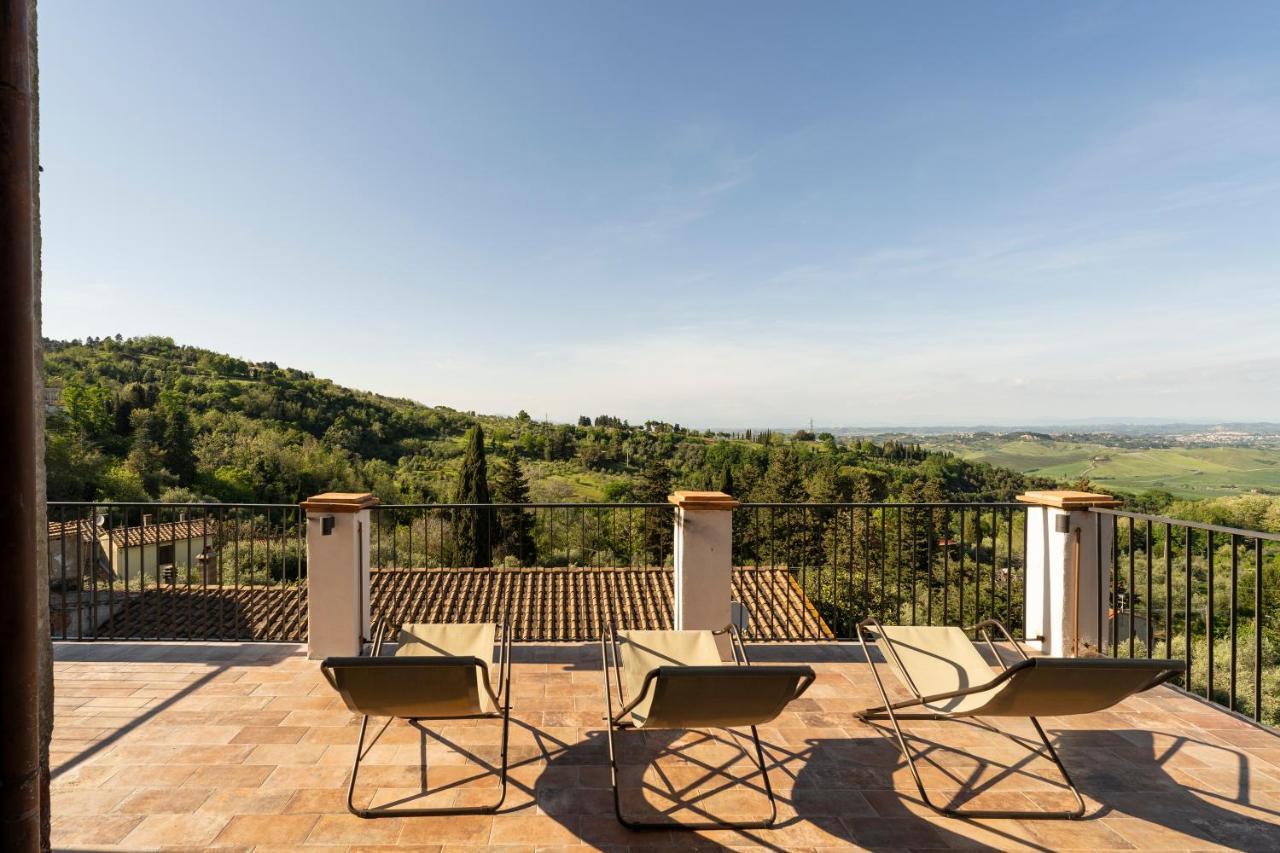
(420, 812)
(705, 825)
(985, 813)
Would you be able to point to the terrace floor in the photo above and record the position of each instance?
(187, 745)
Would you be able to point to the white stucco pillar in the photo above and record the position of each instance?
(1064, 572)
(704, 562)
(338, 610)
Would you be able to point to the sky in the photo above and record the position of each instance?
(723, 214)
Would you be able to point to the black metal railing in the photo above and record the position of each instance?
(905, 563)
(801, 571)
(552, 571)
(1202, 593)
(169, 571)
(545, 535)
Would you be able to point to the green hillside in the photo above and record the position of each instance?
(147, 419)
(1185, 472)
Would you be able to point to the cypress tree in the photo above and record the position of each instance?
(652, 486)
(726, 480)
(472, 528)
(515, 526)
(179, 450)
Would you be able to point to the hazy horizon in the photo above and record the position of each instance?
(716, 214)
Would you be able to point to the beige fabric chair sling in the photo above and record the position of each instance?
(676, 680)
(438, 672)
(949, 680)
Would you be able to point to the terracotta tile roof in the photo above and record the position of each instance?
(167, 531)
(549, 605)
(71, 530)
(546, 605)
(177, 613)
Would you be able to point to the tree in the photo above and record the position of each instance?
(654, 483)
(652, 486)
(87, 408)
(726, 480)
(472, 529)
(515, 526)
(179, 450)
(146, 457)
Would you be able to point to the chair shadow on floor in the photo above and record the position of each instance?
(709, 775)
(1129, 778)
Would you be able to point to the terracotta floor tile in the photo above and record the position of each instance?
(267, 829)
(92, 829)
(147, 801)
(454, 829)
(270, 734)
(186, 830)
(349, 829)
(244, 801)
(260, 757)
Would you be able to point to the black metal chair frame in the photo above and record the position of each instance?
(501, 698)
(890, 711)
(618, 722)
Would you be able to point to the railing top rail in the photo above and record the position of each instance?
(596, 505)
(876, 504)
(1197, 525)
(167, 505)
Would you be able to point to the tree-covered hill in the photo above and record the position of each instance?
(145, 418)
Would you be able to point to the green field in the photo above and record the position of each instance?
(1186, 472)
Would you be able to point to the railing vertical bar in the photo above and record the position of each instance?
(1129, 598)
(995, 557)
(1257, 629)
(884, 559)
(897, 601)
(222, 592)
(1186, 614)
(960, 620)
(1097, 550)
(235, 570)
(83, 521)
(945, 545)
(142, 548)
(866, 559)
(928, 561)
(1008, 571)
(62, 586)
(1209, 620)
(1168, 590)
(1150, 639)
(1235, 586)
(281, 586)
(1026, 523)
(849, 608)
(978, 537)
(913, 567)
(177, 527)
(1115, 589)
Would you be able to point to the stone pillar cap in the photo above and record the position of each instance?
(339, 502)
(690, 500)
(1068, 499)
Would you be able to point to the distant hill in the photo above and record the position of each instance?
(146, 418)
(1116, 463)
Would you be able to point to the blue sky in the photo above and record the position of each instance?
(716, 213)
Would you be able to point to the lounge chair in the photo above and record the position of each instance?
(438, 672)
(950, 680)
(676, 680)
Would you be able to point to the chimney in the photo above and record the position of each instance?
(146, 519)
